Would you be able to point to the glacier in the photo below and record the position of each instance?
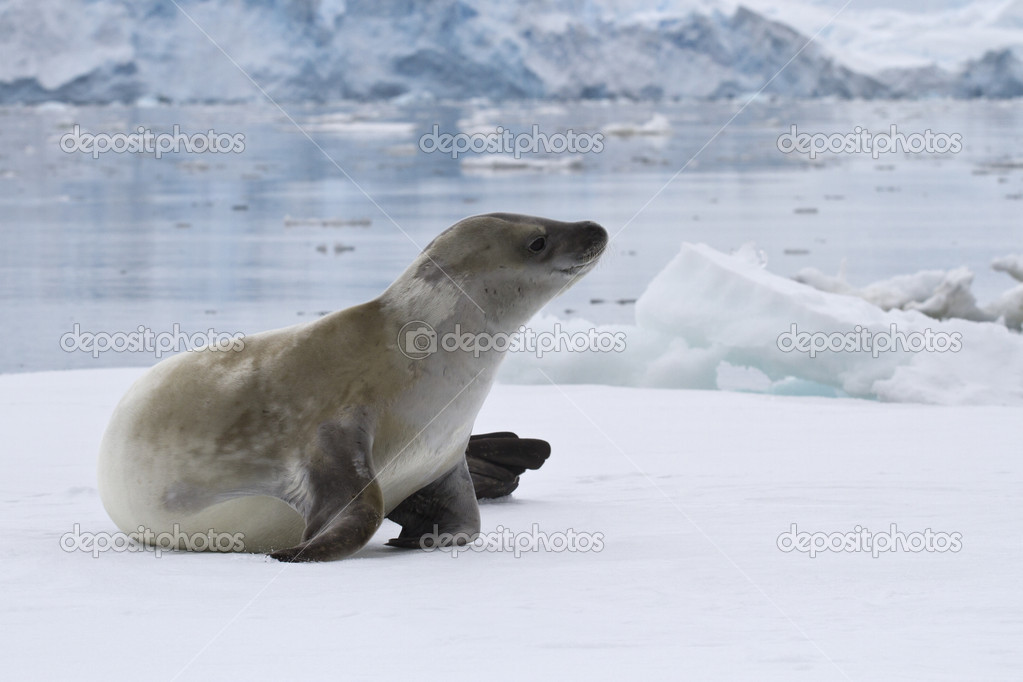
(198, 51)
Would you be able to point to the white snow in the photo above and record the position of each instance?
(690, 489)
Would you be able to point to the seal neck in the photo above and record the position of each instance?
(425, 293)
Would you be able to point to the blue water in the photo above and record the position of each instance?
(202, 240)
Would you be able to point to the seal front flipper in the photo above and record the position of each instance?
(337, 493)
(444, 512)
(497, 459)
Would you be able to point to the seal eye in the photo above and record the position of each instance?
(537, 245)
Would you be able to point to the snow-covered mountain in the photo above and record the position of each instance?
(998, 75)
(300, 50)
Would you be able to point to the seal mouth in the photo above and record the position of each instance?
(576, 269)
(589, 260)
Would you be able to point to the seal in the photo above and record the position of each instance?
(303, 441)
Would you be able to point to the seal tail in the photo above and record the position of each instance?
(496, 460)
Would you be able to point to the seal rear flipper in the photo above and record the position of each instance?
(496, 460)
(339, 497)
(440, 514)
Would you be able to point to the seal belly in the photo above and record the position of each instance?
(251, 523)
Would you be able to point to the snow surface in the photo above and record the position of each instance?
(691, 490)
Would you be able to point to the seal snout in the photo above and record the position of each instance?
(584, 244)
(595, 235)
(594, 238)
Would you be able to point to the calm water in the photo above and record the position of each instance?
(236, 242)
